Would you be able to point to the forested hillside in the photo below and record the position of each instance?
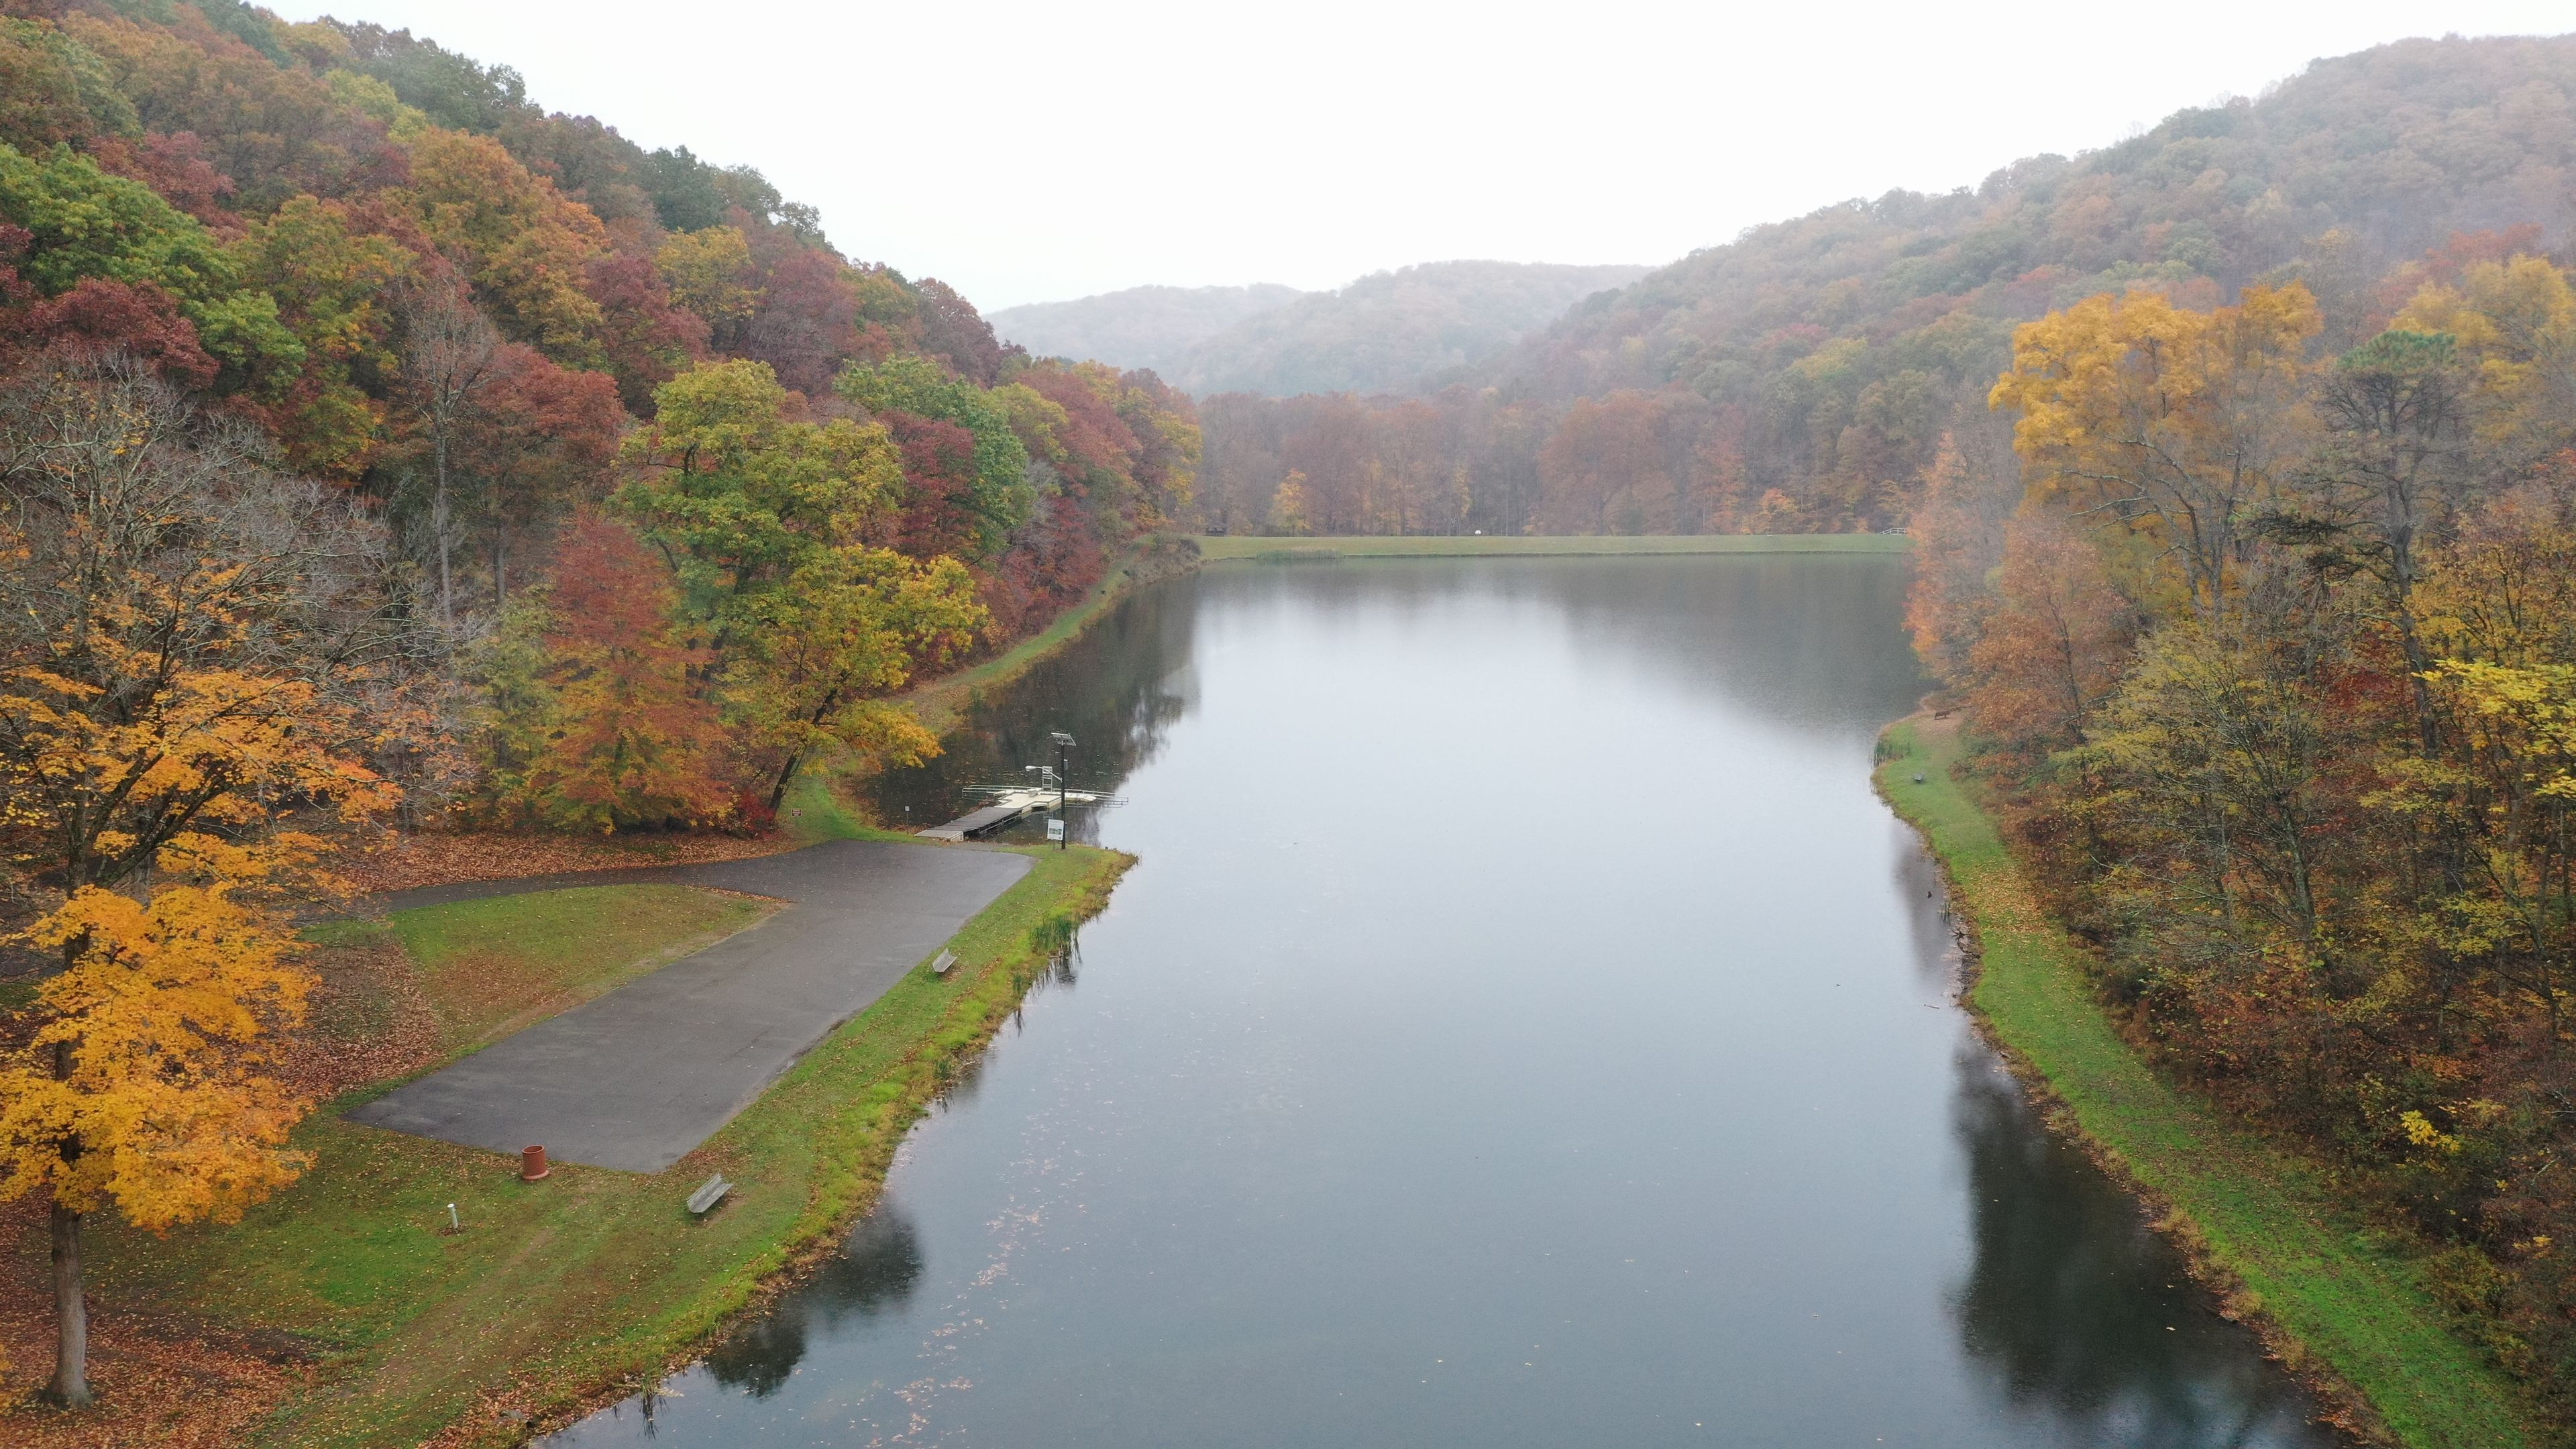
(636, 455)
(2255, 569)
(1803, 376)
(380, 449)
(2266, 626)
(1150, 328)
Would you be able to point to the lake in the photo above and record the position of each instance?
(1524, 1027)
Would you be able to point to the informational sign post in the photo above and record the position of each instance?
(1055, 829)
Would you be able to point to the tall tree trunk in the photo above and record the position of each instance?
(786, 777)
(787, 772)
(70, 1386)
(438, 524)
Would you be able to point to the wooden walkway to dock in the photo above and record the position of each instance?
(977, 824)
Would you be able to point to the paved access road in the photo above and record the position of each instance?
(638, 1078)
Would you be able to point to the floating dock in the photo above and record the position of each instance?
(1012, 803)
(978, 824)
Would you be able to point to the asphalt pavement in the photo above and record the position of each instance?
(637, 1078)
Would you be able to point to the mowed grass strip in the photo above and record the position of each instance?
(1219, 548)
(2334, 1290)
(555, 1291)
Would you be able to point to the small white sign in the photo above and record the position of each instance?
(1055, 829)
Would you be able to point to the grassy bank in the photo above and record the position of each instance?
(1220, 549)
(2335, 1297)
(555, 1292)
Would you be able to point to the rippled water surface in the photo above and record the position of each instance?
(1525, 1027)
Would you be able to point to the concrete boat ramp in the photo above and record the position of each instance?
(637, 1078)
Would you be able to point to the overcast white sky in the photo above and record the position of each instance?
(1026, 152)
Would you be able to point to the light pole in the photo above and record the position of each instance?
(1063, 746)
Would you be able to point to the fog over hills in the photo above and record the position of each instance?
(1804, 375)
(2331, 176)
(1149, 327)
(1407, 331)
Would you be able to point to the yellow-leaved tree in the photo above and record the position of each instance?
(186, 640)
(2177, 426)
(1291, 508)
(2514, 323)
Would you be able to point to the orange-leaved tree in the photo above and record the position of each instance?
(635, 740)
(184, 639)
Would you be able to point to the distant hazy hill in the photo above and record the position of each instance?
(1139, 327)
(1803, 375)
(2330, 177)
(1408, 331)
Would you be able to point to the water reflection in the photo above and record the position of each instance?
(2080, 1311)
(874, 1272)
(1935, 936)
(961, 1080)
(1778, 637)
(1796, 641)
(1116, 690)
(1524, 1028)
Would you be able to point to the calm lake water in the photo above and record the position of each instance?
(1525, 1027)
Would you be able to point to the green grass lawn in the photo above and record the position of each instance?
(490, 967)
(814, 810)
(554, 1290)
(1222, 548)
(2331, 1287)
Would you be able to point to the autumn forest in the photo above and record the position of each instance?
(383, 455)
(381, 450)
